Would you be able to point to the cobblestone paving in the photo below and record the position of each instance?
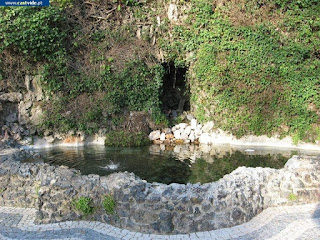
(301, 222)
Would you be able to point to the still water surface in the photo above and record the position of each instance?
(166, 164)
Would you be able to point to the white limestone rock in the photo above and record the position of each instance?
(187, 130)
(205, 138)
(162, 137)
(193, 124)
(183, 125)
(177, 148)
(154, 135)
(177, 134)
(198, 133)
(192, 136)
(184, 136)
(208, 127)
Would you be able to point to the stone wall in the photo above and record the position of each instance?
(20, 113)
(154, 207)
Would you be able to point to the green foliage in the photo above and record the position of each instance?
(61, 3)
(109, 204)
(84, 205)
(126, 139)
(34, 36)
(141, 85)
(292, 197)
(249, 77)
(296, 139)
(295, 4)
(159, 118)
(36, 33)
(136, 88)
(252, 79)
(131, 2)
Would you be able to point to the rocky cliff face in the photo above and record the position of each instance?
(20, 113)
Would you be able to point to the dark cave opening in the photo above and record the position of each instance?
(175, 97)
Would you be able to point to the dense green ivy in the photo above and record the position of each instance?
(250, 77)
(136, 88)
(254, 79)
(37, 33)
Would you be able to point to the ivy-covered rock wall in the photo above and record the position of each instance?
(253, 66)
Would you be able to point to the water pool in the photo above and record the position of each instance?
(166, 164)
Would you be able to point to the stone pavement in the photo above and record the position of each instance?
(299, 222)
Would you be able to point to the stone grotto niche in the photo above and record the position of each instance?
(175, 97)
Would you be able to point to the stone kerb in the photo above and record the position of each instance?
(154, 207)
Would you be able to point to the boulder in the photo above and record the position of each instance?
(193, 124)
(169, 136)
(192, 136)
(177, 134)
(208, 127)
(187, 130)
(184, 136)
(154, 135)
(183, 125)
(163, 136)
(198, 133)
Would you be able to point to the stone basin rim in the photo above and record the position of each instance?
(160, 208)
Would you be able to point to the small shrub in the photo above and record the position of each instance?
(159, 118)
(109, 204)
(126, 139)
(84, 205)
(295, 139)
(292, 197)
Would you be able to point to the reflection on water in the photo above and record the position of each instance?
(166, 164)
